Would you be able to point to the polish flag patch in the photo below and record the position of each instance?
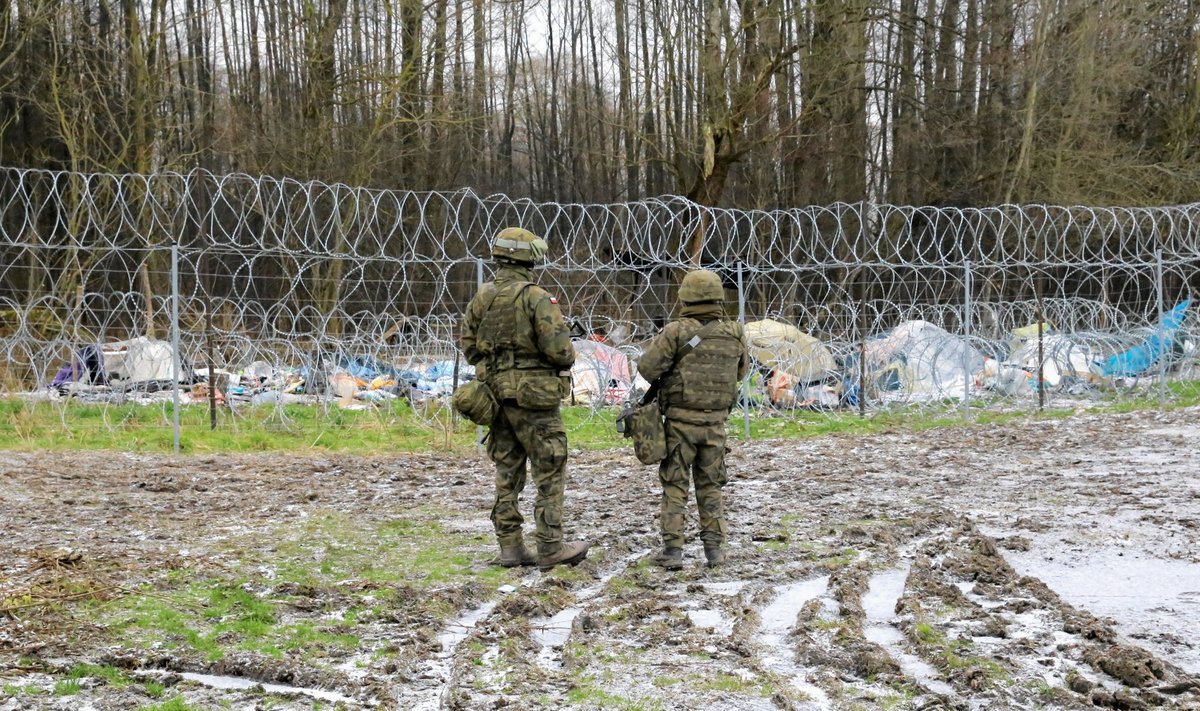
(553, 300)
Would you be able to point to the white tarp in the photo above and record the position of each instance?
(137, 360)
(922, 361)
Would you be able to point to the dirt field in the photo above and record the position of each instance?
(1050, 565)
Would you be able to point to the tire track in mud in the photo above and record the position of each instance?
(520, 634)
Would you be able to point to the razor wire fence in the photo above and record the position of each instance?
(340, 296)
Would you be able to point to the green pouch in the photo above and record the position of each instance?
(476, 402)
(540, 392)
(645, 426)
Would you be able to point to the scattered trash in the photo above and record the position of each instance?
(916, 360)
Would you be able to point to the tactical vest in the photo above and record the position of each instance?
(706, 377)
(505, 336)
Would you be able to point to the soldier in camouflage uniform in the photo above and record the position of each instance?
(515, 336)
(698, 362)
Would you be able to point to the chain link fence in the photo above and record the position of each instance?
(340, 296)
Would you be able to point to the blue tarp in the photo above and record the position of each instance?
(1137, 360)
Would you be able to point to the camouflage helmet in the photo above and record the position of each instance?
(518, 245)
(701, 285)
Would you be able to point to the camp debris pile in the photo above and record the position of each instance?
(142, 370)
(918, 361)
(914, 361)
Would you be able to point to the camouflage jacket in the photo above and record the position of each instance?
(513, 324)
(698, 383)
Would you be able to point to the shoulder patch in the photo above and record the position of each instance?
(553, 300)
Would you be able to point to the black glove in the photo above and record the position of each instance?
(623, 419)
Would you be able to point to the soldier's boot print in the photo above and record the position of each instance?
(569, 554)
(670, 558)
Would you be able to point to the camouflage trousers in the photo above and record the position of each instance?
(695, 452)
(537, 437)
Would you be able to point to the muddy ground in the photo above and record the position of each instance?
(1045, 564)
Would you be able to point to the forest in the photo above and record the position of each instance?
(754, 104)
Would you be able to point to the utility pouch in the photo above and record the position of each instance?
(644, 424)
(476, 402)
(540, 392)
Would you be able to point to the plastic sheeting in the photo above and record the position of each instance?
(1137, 360)
(918, 360)
(1063, 361)
(138, 360)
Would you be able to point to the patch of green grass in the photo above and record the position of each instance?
(18, 690)
(214, 617)
(115, 677)
(154, 689)
(396, 427)
(476, 651)
(175, 704)
(1185, 392)
(734, 684)
(927, 633)
(619, 585)
(773, 545)
(990, 667)
(895, 700)
(67, 687)
(593, 429)
(589, 693)
(419, 550)
(389, 427)
(841, 559)
(305, 635)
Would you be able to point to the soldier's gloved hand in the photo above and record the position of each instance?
(624, 419)
(539, 248)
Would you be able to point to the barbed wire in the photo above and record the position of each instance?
(304, 282)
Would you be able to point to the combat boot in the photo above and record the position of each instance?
(714, 554)
(670, 558)
(516, 555)
(569, 554)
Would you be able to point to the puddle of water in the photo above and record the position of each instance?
(721, 625)
(553, 632)
(238, 682)
(879, 602)
(456, 631)
(437, 669)
(732, 587)
(778, 617)
(1149, 597)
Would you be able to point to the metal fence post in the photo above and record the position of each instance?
(746, 380)
(1162, 332)
(212, 367)
(478, 284)
(966, 334)
(175, 365)
(862, 351)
